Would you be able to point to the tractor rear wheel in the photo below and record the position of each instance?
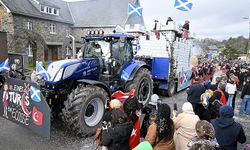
(143, 84)
(84, 108)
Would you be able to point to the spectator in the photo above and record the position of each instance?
(148, 110)
(245, 96)
(161, 131)
(205, 135)
(215, 86)
(144, 146)
(230, 89)
(194, 93)
(220, 93)
(200, 146)
(116, 137)
(184, 126)
(185, 28)
(203, 110)
(227, 131)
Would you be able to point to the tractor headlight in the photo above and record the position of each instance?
(58, 75)
(70, 70)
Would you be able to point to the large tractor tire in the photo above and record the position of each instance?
(143, 84)
(84, 109)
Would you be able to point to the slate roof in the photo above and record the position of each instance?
(87, 13)
(29, 8)
(97, 13)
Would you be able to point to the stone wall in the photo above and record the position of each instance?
(41, 35)
(7, 25)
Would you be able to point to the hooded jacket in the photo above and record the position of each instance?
(228, 133)
(117, 138)
(246, 90)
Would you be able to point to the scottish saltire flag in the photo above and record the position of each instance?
(138, 46)
(183, 5)
(35, 94)
(5, 66)
(41, 71)
(134, 9)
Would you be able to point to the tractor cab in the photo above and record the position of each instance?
(112, 51)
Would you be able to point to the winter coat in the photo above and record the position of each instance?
(117, 138)
(164, 144)
(231, 88)
(246, 90)
(147, 110)
(184, 129)
(228, 133)
(194, 93)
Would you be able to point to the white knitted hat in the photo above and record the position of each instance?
(154, 99)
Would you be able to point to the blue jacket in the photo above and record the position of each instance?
(228, 133)
(194, 93)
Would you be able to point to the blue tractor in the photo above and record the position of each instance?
(81, 87)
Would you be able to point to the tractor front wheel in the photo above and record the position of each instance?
(84, 109)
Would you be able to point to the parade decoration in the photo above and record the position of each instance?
(23, 104)
(183, 5)
(41, 71)
(134, 9)
(4, 66)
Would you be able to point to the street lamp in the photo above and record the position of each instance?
(248, 18)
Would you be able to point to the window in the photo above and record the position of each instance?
(52, 28)
(42, 8)
(30, 52)
(55, 11)
(29, 25)
(49, 10)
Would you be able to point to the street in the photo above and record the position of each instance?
(13, 137)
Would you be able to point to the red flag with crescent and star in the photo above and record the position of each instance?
(135, 135)
(37, 117)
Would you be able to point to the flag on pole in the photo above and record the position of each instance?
(5, 66)
(183, 5)
(134, 9)
(41, 71)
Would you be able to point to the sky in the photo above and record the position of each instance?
(218, 19)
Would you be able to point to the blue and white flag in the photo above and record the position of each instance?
(138, 46)
(5, 66)
(41, 71)
(35, 94)
(134, 9)
(183, 5)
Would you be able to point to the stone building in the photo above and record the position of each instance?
(39, 28)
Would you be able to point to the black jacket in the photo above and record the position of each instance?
(117, 138)
(246, 90)
(194, 93)
(228, 133)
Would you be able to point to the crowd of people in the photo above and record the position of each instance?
(205, 123)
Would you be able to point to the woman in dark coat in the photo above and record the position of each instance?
(117, 136)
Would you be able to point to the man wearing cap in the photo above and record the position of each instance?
(227, 131)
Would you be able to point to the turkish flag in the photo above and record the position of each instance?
(135, 136)
(37, 117)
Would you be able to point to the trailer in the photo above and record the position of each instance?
(169, 56)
